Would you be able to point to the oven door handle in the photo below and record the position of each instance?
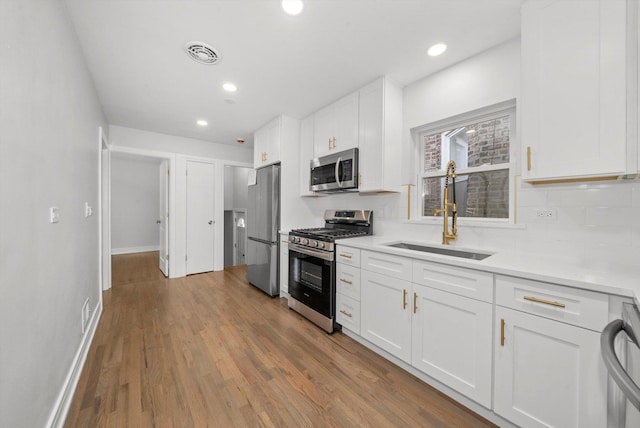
(611, 361)
(337, 171)
(324, 255)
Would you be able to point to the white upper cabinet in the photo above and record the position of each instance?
(336, 126)
(380, 137)
(578, 95)
(266, 143)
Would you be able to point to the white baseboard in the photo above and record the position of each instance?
(130, 250)
(63, 402)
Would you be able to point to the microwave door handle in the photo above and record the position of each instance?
(337, 172)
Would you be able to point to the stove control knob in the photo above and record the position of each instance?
(314, 243)
(292, 239)
(320, 244)
(304, 241)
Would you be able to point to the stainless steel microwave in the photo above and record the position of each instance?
(335, 172)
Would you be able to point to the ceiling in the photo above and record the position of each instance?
(281, 64)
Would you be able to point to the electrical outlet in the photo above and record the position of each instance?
(545, 213)
(88, 210)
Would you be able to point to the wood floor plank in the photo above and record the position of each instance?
(210, 350)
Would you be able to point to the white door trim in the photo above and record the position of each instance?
(171, 157)
(104, 212)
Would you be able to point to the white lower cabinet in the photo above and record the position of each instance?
(528, 351)
(348, 292)
(452, 341)
(445, 335)
(385, 313)
(548, 373)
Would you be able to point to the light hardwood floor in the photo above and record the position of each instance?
(210, 350)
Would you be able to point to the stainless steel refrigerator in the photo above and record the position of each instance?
(263, 224)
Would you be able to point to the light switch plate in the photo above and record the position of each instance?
(54, 215)
(88, 211)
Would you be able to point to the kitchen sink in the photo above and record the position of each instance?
(472, 255)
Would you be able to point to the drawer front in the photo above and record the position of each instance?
(464, 282)
(348, 313)
(582, 308)
(394, 266)
(348, 281)
(348, 256)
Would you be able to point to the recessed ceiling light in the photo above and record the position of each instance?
(229, 87)
(202, 122)
(292, 7)
(437, 49)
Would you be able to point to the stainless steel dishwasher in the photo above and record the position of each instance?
(625, 371)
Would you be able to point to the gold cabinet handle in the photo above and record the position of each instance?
(346, 281)
(346, 256)
(415, 302)
(502, 332)
(342, 311)
(404, 299)
(546, 302)
(528, 158)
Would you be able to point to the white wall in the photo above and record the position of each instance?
(241, 187)
(236, 190)
(136, 138)
(135, 200)
(49, 119)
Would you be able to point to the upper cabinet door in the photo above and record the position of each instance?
(336, 126)
(380, 137)
(575, 65)
(266, 144)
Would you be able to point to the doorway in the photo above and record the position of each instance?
(139, 210)
(236, 197)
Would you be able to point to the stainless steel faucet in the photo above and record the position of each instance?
(446, 235)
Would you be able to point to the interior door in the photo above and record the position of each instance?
(200, 217)
(163, 217)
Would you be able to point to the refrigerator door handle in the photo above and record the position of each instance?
(337, 171)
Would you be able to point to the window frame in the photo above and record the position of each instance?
(477, 115)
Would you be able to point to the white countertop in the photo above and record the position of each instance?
(620, 280)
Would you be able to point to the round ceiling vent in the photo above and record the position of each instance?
(202, 53)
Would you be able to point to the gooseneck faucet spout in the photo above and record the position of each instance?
(446, 235)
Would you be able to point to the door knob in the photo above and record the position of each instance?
(210, 221)
(158, 221)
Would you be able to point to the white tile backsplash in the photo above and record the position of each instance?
(595, 223)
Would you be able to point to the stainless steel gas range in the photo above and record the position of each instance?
(312, 266)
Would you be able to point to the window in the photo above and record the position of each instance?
(480, 143)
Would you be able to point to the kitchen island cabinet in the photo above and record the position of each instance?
(579, 105)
